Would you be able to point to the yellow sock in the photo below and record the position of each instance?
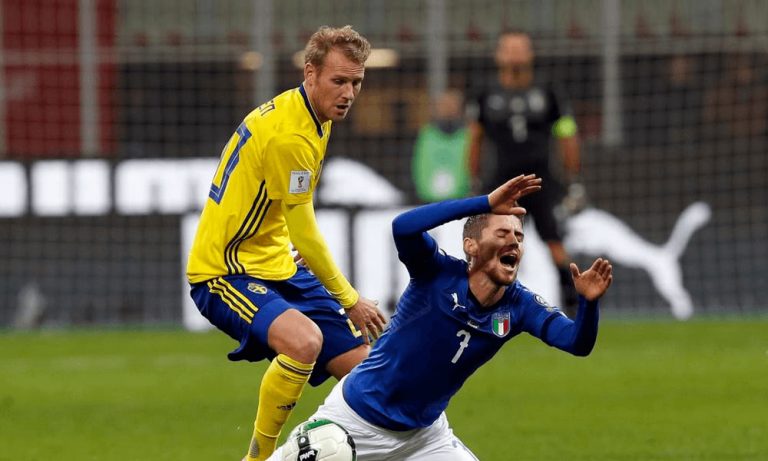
(280, 389)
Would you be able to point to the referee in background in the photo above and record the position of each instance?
(520, 117)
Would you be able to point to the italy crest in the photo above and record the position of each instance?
(500, 324)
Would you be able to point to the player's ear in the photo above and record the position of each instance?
(309, 73)
(470, 247)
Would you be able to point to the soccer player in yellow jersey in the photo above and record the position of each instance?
(244, 279)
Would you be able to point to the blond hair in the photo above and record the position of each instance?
(345, 39)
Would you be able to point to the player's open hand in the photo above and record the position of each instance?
(593, 282)
(504, 199)
(367, 317)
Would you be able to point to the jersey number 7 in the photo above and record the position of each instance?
(230, 161)
(462, 345)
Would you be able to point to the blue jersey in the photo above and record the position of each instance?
(440, 334)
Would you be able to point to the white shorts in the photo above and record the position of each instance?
(433, 443)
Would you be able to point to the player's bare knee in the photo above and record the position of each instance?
(296, 336)
(306, 343)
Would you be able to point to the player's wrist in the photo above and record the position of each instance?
(350, 301)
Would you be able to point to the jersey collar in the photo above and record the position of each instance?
(311, 110)
(476, 312)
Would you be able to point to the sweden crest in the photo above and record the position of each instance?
(256, 288)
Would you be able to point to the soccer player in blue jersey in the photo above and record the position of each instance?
(311, 325)
(458, 314)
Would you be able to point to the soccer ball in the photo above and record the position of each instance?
(319, 440)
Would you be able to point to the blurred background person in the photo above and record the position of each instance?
(520, 116)
(440, 153)
(736, 107)
(679, 116)
(663, 109)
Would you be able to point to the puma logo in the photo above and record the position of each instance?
(596, 232)
(456, 304)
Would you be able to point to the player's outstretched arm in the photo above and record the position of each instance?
(503, 200)
(313, 252)
(578, 336)
(593, 282)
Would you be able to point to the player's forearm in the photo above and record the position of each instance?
(569, 149)
(306, 237)
(424, 218)
(475, 149)
(578, 336)
(415, 247)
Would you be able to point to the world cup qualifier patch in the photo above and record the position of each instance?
(546, 305)
(299, 182)
(540, 300)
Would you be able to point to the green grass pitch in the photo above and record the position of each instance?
(651, 390)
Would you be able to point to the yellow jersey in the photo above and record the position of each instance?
(275, 154)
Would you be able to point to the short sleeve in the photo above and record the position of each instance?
(290, 169)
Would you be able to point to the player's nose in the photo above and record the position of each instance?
(348, 92)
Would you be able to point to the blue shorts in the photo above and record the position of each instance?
(244, 307)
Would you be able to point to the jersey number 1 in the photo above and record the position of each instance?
(462, 345)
